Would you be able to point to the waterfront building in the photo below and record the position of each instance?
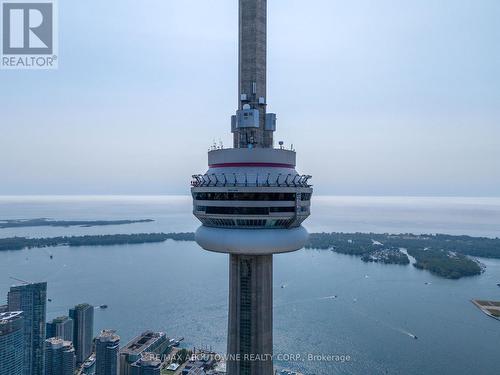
(11, 343)
(60, 357)
(193, 370)
(83, 328)
(173, 367)
(107, 349)
(147, 342)
(31, 299)
(61, 327)
(148, 364)
(251, 203)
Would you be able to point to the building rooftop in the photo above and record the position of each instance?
(150, 360)
(142, 342)
(26, 284)
(108, 335)
(60, 319)
(57, 343)
(10, 315)
(173, 367)
(82, 306)
(10, 321)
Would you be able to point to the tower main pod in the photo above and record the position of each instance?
(251, 203)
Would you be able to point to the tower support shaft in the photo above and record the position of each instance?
(250, 327)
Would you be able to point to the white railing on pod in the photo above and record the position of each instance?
(246, 179)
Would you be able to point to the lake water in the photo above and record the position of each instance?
(178, 288)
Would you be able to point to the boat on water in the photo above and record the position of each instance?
(176, 342)
(103, 306)
(498, 284)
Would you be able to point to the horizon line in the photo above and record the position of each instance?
(189, 195)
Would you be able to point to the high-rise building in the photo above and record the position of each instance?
(83, 330)
(148, 364)
(11, 343)
(251, 203)
(59, 357)
(61, 327)
(31, 299)
(107, 348)
(146, 342)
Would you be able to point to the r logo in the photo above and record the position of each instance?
(27, 28)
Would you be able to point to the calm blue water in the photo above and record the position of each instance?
(178, 288)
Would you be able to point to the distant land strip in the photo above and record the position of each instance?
(443, 255)
(19, 243)
(44, 222)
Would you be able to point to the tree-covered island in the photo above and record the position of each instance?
(443, 255)
(19, 243)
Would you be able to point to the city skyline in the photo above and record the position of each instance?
(82, 353)
(411, 87)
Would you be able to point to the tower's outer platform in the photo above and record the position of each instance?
(255, 241)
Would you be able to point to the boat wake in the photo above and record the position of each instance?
(409, 334)
(327, 297)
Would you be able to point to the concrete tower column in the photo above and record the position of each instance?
(250, 327)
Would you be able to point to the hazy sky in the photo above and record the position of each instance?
(378, 97)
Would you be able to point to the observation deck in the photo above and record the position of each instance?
(251, 188)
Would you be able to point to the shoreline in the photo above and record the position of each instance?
(485, 306)
(450, 257)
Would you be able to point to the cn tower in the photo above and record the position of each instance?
(251, 203)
